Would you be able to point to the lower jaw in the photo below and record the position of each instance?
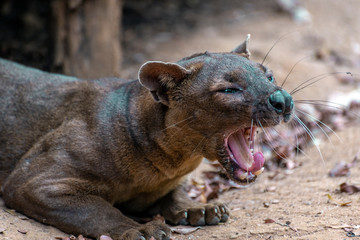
(242, 176)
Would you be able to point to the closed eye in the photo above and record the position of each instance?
(231, 90)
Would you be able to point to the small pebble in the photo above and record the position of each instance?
(234, 237)
(270, 189)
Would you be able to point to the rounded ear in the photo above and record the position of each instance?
(243, 48)
(159, 76)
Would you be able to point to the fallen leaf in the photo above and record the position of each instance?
(341, 169)
(215, 182)
(202, 198)
(183, 229)
(269, 220)
(350, 189)
(337, 202)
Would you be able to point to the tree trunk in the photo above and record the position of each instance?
(87, 42)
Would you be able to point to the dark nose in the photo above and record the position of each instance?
(282, 102)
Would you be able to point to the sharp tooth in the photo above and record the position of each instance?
(243, 176)
(252, 150)
(258, 172)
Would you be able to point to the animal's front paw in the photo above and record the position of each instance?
(206, 214)
(152, 230)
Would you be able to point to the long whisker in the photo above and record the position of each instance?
(311, 135)
(293, 67)
(179, 129)
(206, 138)
(321, 103)
(276, 42)
(198, 145)
(327, 104)
(295, 146)
(315, 100)
(297, 138)
(268, 137)
(325, 125)
(175, 124)
(307, 85)
(327, 136)
(314, 79)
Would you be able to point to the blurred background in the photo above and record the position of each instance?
(310, 43)
(94, 38)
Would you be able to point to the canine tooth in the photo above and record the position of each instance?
(258, 172)
(243, 176)
(252, 150)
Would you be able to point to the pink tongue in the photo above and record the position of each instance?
(241, 150)
(258, 162)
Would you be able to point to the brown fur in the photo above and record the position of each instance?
(78, 154)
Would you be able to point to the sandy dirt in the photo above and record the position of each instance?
(297, 199)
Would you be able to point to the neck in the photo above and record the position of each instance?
(169, 143)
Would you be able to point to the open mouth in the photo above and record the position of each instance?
(246, 165)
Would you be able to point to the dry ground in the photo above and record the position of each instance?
(298, 196)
